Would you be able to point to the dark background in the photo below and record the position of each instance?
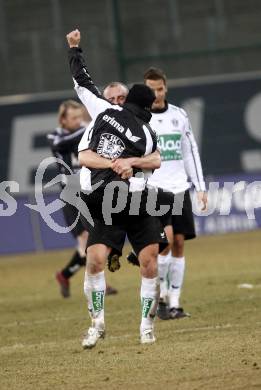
(123, 37)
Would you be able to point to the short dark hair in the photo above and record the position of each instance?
(155, 74)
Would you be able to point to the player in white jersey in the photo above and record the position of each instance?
(180, 166)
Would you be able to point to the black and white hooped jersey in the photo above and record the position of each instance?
(115, 131)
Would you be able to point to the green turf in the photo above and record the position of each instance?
(219, 347)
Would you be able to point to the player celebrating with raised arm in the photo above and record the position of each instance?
(115, 92)
(120, 138)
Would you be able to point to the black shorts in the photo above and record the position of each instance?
(180, 216)
(70, 215)
(141, 232)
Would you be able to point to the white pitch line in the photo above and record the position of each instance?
(203, 328)
(11, 348)
(108, 314)
(19, 346)
(48, 320)
(40, 322)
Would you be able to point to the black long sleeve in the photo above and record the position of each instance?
(79, 70)
(87, 92)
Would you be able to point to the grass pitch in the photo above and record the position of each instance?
(219, 347)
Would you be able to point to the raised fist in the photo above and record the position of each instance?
(73, 38)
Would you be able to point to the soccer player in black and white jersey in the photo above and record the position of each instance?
(115, 92)
(121, 144)
(180, 165)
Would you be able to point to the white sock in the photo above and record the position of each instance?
(149, 294)
(94, 289)
(163, 266)
(176, 276)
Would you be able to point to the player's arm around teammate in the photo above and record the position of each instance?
(118, 133)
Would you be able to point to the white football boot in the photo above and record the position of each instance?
(92, 336)
(147, 336)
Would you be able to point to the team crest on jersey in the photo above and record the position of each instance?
(110, 146)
